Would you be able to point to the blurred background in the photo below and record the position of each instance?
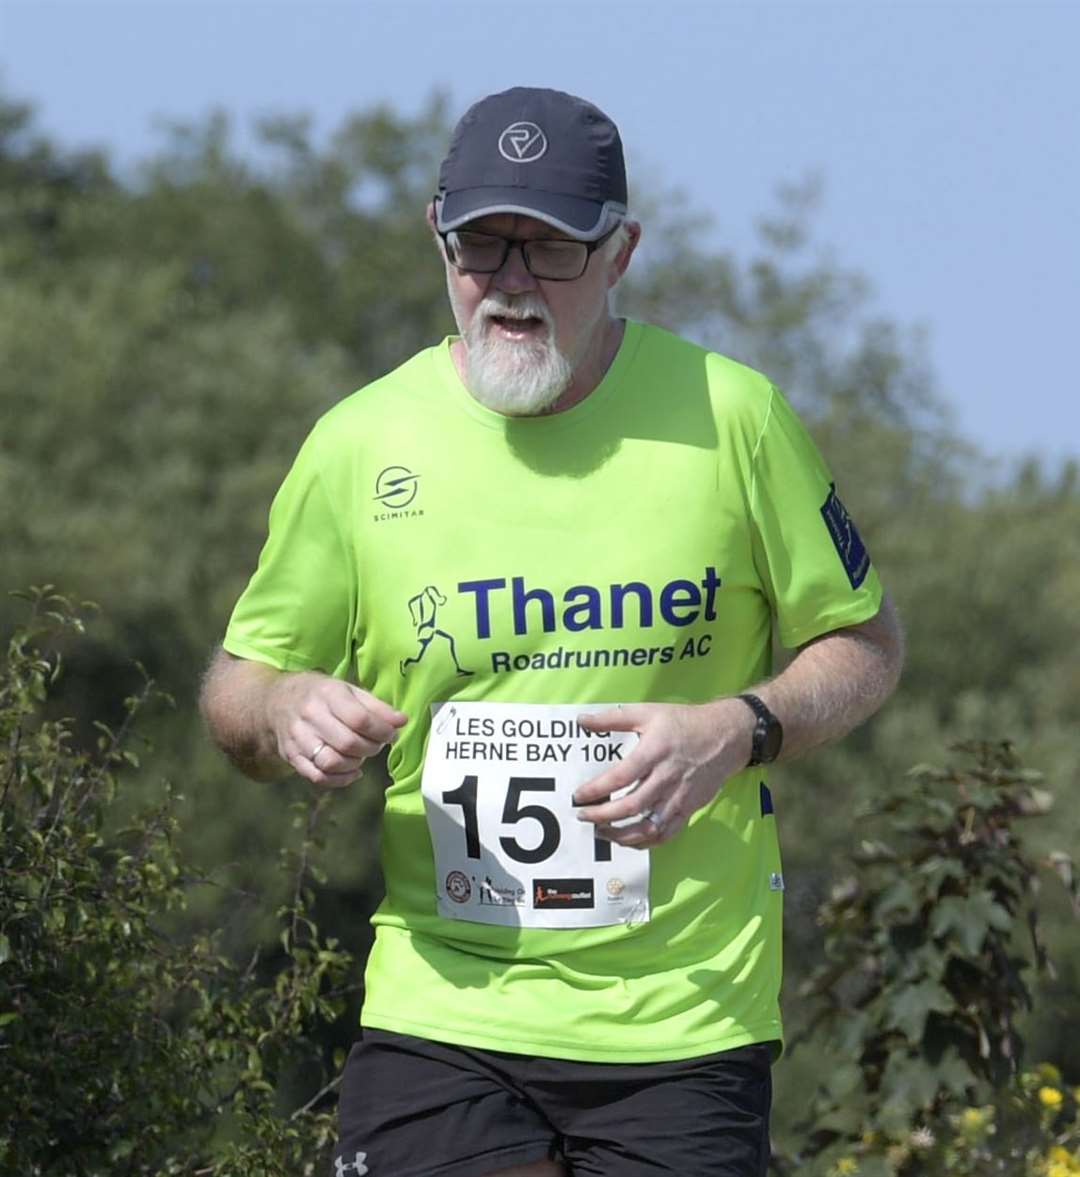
(211, 229)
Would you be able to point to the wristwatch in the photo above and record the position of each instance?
(768, 732)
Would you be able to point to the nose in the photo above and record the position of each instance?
(514, 277)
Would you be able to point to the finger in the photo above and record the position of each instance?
(339, 780)
(310, 747)
(638, 836)
(382, 711)
(361, 719)
(333, 763)
(648, 832)
(620, 775)
(340, 739)
(650, 794)
(625, 717)
(303, 767)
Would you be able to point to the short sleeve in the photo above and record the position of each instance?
(299, 608)
(810, 556)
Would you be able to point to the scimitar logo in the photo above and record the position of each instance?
(396, 487)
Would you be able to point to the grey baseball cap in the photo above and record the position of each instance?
(541, 153)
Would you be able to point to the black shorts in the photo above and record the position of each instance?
(414, 1108)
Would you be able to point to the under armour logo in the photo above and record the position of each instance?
(357, 1165)
(522, 143)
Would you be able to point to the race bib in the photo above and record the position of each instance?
(509, 849)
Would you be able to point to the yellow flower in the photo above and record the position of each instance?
(846, 1166)
(972, 1119)
(1055, 1169)
(1048, 1072)
(1050, 1097)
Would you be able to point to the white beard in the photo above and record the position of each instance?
(518, 379)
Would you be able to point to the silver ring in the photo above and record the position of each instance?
(318, 748)
(649, 815)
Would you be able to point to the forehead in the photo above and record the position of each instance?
(515, 225)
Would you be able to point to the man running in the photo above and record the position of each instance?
(423, 609)
(576, 966)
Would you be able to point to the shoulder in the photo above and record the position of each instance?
(364, 426)
(740, 397)
(392, 395)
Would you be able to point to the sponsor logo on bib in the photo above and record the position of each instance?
(458, 887)
(563, 893)
(496, 896)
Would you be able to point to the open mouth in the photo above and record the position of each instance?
(518, 327)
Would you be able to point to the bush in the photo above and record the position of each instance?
(927, 949)
(130, 1046)
(126, 1048)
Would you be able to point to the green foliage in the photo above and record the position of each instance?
(124, 1048)
(927, 949)
(168, 336)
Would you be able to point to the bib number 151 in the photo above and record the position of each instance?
(513, 812)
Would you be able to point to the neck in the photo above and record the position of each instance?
(594, 364)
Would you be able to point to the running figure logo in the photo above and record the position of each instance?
(422, 609)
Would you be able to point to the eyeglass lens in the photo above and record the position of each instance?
(484, 253)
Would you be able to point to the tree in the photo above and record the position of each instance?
(125, 1047)
(169, 336)
(919, 997)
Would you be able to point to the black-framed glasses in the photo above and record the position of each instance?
(555, 259)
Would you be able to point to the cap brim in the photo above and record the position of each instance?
(585, 219)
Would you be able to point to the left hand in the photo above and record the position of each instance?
(683, 756)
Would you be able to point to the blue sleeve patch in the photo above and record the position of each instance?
(849, 546)
(766, 800)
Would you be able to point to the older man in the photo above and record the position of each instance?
(544, 562)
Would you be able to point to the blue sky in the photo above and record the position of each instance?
(947, 135)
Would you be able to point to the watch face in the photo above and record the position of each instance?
(772, 736)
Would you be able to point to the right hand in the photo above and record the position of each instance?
(325, 728)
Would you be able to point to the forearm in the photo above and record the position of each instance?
(234, 703)
(835, 682)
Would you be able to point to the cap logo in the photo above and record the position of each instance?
(522, 143)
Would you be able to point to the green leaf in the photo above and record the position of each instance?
(909, 1082)
(850, 1032)
(845, 1120)
(5, 948)
(908, 1009)
(900, 897)
(121, 1149)
(954, 1074)
(969, 918)
(936, 870)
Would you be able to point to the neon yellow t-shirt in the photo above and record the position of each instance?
(640, 546)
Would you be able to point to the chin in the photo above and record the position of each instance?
(518, 379)
(516, 402)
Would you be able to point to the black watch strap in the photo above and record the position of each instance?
(768, 732)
